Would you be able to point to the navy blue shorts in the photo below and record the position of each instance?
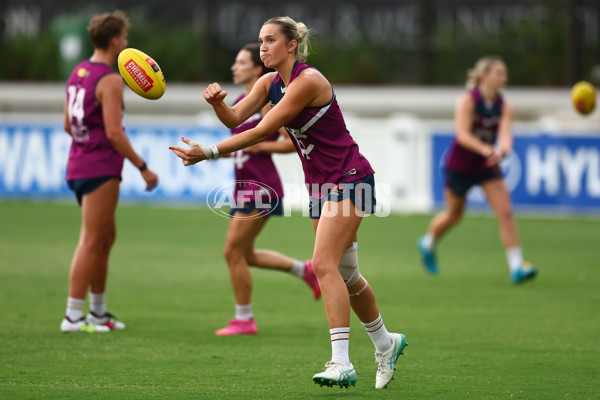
(275, 207)
(88, 185)
(460, 184)
(360, 191)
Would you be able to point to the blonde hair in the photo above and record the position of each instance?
(483, 65)
(293, 30)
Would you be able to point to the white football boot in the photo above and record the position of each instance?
(108, 320)
(81, 325)
(336, 373)
(386, 362)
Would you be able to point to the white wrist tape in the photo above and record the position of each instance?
(215, 151)
(210, 152)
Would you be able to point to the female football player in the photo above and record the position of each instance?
(482, 119)
(255, 173)
(93, 118)
(338, 177)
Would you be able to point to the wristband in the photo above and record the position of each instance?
(210, 152)
(215, 152)
(143, 167)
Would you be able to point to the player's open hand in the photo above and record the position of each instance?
(214, 94)
(193, 155)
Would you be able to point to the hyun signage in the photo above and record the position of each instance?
(561, 172)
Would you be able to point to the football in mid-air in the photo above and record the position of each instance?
(583, 96)
(141, 73)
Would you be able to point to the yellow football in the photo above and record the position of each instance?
(583, 96)
(141, 73)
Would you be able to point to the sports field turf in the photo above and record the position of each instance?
(471, 333)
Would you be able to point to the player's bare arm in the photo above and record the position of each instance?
(463, 119)
(313, 81)
(67, 125)
(109, 93)
(281, 146)
(505, 137)
(234, 116)
(199, 152)
(303, 92)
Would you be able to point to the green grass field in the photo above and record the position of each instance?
(471, 333)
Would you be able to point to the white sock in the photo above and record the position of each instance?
(340, 342)
(514, 256)
(97, 304)
(428, 242)
(297, 269)
(74, 308)
(243, 312)
(379, 335)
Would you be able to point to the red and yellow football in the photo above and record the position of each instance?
(141, 73)
(583, 96)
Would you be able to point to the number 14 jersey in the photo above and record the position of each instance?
(92, 154)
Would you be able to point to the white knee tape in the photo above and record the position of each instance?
(349, 265)
(362, 289)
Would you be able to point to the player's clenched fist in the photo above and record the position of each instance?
(214, 93)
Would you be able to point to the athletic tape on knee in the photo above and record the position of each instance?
(349, 265)
(361, 289)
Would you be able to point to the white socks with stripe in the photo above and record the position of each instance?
(97, 304)
(75, 306)
(243, 312)
(297, 269)
(379, 335)
(340, 342)
(74, 309)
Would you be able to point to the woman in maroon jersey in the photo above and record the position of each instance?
(93, 118)
(339, 179)
(483, 121)
(255, 175)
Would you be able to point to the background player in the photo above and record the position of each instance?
(482, 118)
(255, 164)
(93, 118)
(339, 179)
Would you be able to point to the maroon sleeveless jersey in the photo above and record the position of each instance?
(91, 153)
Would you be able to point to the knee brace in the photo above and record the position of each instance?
(349, 265)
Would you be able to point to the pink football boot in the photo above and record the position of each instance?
(311, 279)
(238, 327)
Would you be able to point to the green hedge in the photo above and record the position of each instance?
(535, 55)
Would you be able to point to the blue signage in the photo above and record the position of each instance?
(33, 159)
(559, 172)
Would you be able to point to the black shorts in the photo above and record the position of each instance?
(87, 185)
(361, 191)
(460, 184)
(274, 207)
